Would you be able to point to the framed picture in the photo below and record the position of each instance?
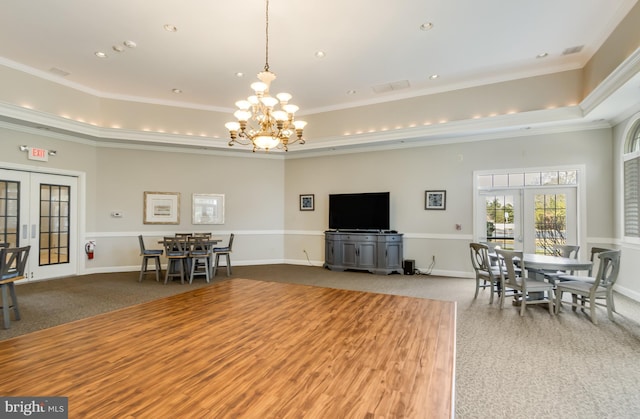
(307, 202)
(161, 208)
(435, 200)
(207, 209)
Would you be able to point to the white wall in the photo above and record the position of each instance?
(262, 193)
(408, 172)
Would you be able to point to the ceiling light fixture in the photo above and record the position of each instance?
(273, 127)
(427, 26)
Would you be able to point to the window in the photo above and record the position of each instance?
(632, 181)
(530, 209)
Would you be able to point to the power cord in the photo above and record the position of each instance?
(429, 268)
(307, 254)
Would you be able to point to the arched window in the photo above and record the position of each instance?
(633, 139)
(632, 180)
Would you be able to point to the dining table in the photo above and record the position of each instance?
(535, 264)
(209, 242)
(539, 262)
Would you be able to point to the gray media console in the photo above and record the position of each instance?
(378, 253)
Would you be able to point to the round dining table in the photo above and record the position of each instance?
(554, 263)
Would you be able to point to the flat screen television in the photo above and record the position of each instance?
(359, 211)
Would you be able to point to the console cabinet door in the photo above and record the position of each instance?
(367, 255)
(390, 252)
(350, 254)
(333, 250)
(394, 256)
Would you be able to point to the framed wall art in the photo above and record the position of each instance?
(161, 208)
(207, 209)
(307, 202)
(435, 200)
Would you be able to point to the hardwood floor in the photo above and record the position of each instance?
(244, 348)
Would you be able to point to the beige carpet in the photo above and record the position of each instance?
(536, 366)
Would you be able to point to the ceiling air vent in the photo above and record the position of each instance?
(58, 72)
(388, 87)
(572, 50)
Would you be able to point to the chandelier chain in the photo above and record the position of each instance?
(266, 47)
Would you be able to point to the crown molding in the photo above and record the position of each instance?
(624, 73)
(501, 126)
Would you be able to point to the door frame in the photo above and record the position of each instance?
(581, 198)
(80, 233)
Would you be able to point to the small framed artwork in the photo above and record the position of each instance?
(307, 202)
(161, 208)
(207, 209)
(435, 200)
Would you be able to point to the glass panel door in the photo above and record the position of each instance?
(499, 218)
(40, 210)
(12, 214)
(53, 225)
(551, 215)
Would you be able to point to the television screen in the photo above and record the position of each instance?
(359, 211)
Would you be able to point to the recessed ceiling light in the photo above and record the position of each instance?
(542, 55)
(100, 54)
(117, 48)
(239, 74)
(176, 91)
(130, 44)
(170, 28)
(434, 76)
(320, 54)
(426, 26)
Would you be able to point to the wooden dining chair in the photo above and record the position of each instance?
(147, 255)
(200, 253)
(487, 275)
(591, 292)
(565, 251)
(524, 286)
(177, 254)
(223, 251)
(13, 262)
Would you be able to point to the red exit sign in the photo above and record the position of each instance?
(38, 154)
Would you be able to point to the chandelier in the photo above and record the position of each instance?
(264, 121)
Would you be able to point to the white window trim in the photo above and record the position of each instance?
(624, 156)
(581, 193)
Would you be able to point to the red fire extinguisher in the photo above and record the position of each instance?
(89, 248)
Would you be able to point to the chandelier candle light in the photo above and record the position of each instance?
(264, 121)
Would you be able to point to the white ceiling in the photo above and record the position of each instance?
(367, 44)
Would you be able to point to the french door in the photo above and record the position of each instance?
(551, 219)
(40, 210)
(533, 220)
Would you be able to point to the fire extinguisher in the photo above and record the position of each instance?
(89, 248)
